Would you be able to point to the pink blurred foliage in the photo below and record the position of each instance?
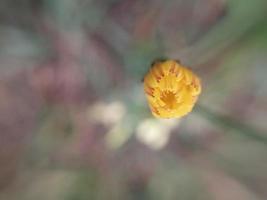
(61, 79)
(59, 82)
(136, 164)
(103, 56)
(87, 147)
(18, 107)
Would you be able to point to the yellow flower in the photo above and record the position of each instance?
(171, 89)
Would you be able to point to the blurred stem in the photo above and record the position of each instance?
(228, 123)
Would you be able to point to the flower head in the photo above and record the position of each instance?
(171, 89)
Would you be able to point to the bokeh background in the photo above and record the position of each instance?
(74, 121)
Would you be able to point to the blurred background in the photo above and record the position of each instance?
(74, 121)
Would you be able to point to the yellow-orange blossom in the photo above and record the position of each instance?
(171, 89)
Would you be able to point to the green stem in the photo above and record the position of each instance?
(228, 123)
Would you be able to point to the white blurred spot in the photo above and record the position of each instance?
(108, 114)
(155, 133)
